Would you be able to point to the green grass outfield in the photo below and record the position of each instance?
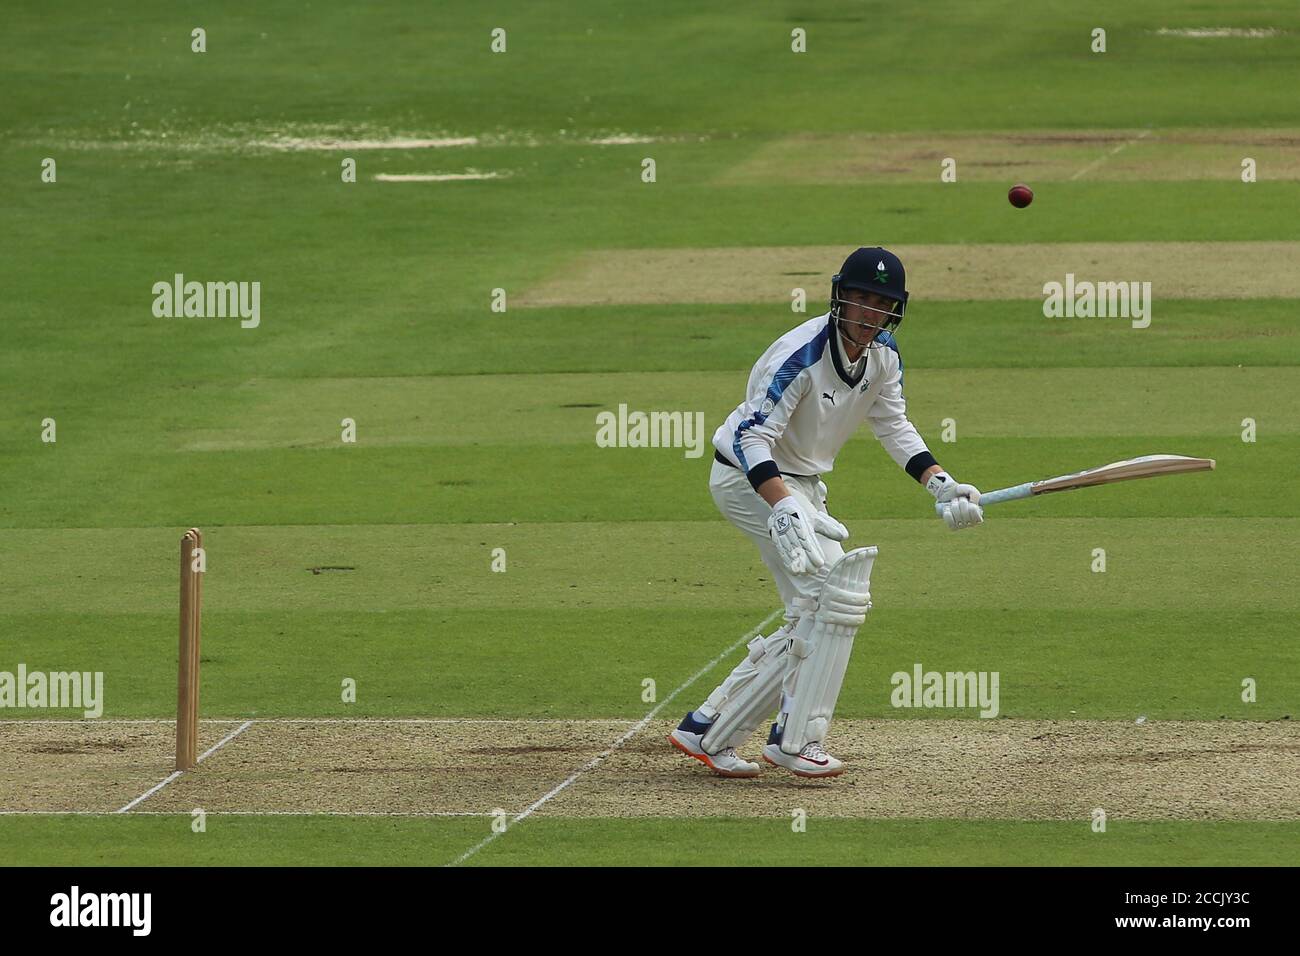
(719, 841)
(476, 430)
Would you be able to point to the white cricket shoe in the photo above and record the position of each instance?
(811, 761)
(688, 738)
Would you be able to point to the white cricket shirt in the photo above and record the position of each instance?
(802, 404)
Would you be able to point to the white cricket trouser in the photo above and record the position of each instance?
(743, 507)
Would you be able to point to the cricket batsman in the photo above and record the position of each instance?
(806, 396)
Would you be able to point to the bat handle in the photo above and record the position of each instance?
(998, 496)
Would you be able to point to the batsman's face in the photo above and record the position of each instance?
(865, 314)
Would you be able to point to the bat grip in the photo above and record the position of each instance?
(998, 496)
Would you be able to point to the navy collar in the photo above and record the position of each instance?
(837, 347)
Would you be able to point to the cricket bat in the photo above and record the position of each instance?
(1148, 466)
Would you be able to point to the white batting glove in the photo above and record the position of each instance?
(823, 523)
(795, 538)
(961, 502)
(828, 527)
(962, 513)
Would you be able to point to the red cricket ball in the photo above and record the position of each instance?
(1020, 195)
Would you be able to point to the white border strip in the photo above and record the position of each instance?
(202, 757)
(601, 757)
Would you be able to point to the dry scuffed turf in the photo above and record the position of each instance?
(1139, 155)
(918, 769)
(967, 272)
(371, 563)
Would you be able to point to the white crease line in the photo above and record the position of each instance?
(249, 813)
(632, 732)
(223, 741)
(58, 813)
(339, 720)
(445, 720)
(1097, 162)
(121, 720)
(152, 790)
(324, 813)
(176, 773)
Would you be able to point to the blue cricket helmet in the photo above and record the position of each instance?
(872, 269)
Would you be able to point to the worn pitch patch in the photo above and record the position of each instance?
(620, 139)
(1001, 769)
(1035, 157)
(326, 143)
(1201, 33)
(435, 177)
(1231, 270)
(330, 137)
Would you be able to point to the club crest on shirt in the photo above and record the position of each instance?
(768, 405)
(865, 383)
